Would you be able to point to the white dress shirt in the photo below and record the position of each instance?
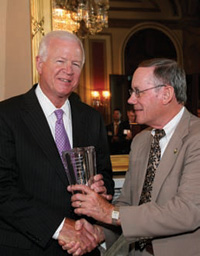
(48, 109)
(169, 129)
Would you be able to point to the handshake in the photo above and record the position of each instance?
(80, 237)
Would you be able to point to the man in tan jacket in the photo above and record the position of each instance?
(169, 221)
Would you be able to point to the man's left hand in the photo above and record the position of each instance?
(98, 187)
(91, 203)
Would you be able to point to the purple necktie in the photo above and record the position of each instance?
(61, 138)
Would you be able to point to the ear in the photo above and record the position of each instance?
(168, 94)
(39, 64)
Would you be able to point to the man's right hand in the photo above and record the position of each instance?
(83, 239)
(73, 247)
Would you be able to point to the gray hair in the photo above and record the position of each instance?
(58, 34)
(168, 71)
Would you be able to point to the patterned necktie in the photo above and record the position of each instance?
(154, 159)
(121, 247)
(61, 138)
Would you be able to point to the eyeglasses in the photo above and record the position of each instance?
(137, 91)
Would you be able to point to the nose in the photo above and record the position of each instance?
(68, 68)
(132, 100)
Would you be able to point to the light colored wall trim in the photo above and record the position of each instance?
(3, 47)
(41, 24)
(15, 52)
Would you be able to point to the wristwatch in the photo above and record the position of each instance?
(115, 215)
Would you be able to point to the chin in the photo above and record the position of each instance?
(139, 121)
(65, 91)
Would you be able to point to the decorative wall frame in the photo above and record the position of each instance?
(174, 35)
(98, 67)
(40, 25)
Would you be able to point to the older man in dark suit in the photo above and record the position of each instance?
(35, 208)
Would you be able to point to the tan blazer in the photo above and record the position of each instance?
(172, 218)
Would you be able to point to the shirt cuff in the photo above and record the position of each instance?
(55, 235)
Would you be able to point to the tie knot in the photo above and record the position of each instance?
(159, 134)
(59, 114)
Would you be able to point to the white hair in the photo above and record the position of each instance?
(58, 34)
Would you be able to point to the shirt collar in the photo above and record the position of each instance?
(170, 127)
(47, 106)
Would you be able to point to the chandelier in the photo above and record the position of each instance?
(83, 17)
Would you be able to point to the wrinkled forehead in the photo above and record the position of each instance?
(65, 48)
(143, 76)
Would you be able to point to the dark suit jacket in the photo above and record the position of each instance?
(114, 145)
(33, 184)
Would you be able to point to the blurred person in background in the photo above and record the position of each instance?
(113, 132)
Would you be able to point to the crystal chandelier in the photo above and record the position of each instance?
(83, 17)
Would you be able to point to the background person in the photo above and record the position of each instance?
(35, 207)
(113, 132)
(160, 201)
(127, 131)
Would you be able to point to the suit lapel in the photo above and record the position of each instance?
(171, 153)
(79, 125)
(36, 122)
(142, 155)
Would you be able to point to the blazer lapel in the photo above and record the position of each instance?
(79, 125)
(141, 153)
(171, 153)
(36, 122)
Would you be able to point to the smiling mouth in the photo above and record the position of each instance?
(65, 80)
